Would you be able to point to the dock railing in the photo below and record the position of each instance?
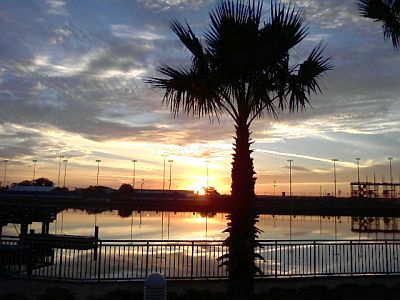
(124, 260)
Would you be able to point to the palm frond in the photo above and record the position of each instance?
(189, 91)
(233, 35)
(387, 12)
(230, 14)
(305, 82)
(283, 31)
(188, 38)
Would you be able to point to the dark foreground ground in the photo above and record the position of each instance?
(355, 288)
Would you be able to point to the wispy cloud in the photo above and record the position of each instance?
(346, 164)
(57, 7)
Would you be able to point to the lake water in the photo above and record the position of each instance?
(151, 225)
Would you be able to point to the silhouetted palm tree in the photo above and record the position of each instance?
(387, 12)
(242, 68)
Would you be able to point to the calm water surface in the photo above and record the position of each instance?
(147, 225)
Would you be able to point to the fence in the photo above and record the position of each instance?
(117, 260)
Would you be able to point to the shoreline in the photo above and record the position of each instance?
(277, 205)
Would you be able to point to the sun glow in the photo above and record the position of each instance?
(198, 188)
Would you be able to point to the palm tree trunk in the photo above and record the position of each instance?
(241, 228)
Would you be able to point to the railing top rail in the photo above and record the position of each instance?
(263, 241)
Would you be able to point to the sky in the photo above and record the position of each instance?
(72, 84)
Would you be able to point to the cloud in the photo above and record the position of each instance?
(84, 77)
(299, 168)
(307, 157)
(57, 7)
(173, 4)
(130, 32)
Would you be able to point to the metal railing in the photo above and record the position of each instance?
(120, 260)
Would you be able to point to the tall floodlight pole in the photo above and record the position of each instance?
(334, 172)
(59, 169)
(274, 186)
(391, 177)
(358, 170)
(65, 161)
(170, 173)
(134, 173)
(98, 172)
(290, 176)
(207, 176)
(358, 175)
(5, 171)
(163, 183)
(34, 169)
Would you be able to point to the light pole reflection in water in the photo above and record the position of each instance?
(168, 225)
(131, 226)
(206, 225)
(162, 225)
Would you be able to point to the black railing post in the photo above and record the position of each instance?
(98, 257)
(315, 258)
(96, 236)
(276, 259)
(192, 262)
(147, 260)
(351, 258)
(387, 257)
(30, 259)
(61, 261)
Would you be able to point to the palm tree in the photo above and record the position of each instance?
(387, 12)
(242, 68)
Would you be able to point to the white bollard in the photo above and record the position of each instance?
(155, 287)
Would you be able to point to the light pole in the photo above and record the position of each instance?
(98, 171)
(59, 169)
(34, 169)
(334, 172)
(391, 177)
(290, 176)
(5, 171)
(163, 183)
(207, 175)
(170, 173)
(274, 186)
(358, 170)
(65, 169)
(134, 173)
(358, 175)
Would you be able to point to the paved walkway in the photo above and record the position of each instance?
(83, 290)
